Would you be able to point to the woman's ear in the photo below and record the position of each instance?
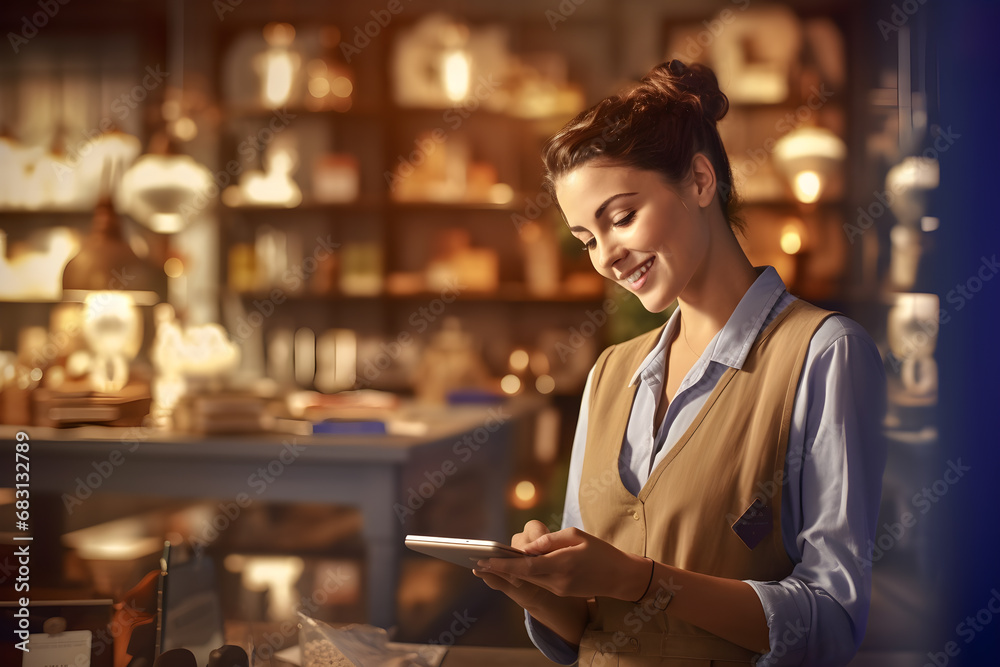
(703, 175)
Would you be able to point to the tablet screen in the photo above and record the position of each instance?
(461, 551)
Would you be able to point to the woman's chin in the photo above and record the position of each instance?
(654, 303)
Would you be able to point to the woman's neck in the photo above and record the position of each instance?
(709, 299)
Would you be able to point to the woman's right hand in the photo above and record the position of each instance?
(532, 531)
(565, 615)
(525, 594)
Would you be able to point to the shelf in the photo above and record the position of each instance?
(790, 203)
(30, 302)
(511, 293)
(512, 206)
(366, 205)
(479, 112)
(355, 112)
(374, 205)
(53, 212)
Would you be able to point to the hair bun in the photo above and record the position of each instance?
(658, 125)
(693, 87)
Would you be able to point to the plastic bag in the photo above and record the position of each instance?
(359, 646)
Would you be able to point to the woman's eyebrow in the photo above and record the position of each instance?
(604, 205)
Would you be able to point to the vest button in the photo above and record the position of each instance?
(635, 515)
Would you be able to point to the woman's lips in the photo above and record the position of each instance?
(637, 278)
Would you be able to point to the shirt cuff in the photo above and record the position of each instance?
(552, 646)
(788, 634)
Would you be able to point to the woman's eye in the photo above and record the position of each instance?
(625, 220)
(589, 245)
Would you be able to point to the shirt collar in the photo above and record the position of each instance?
(731, 345)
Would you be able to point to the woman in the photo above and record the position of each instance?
(726, 472)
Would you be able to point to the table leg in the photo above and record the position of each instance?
(383, 538)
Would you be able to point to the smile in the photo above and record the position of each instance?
(640, 272)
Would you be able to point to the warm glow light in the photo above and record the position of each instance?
(278, 64)
(524, 495)
(791, 240)
(234, 563)
(510, 384)
(171, 109)
(276, 186)
(173, 267)
(518, 360)
(319, 86)
(122, 549)
(545, 384)
(810, 158)
(501, 193)
(455, 69)
(162, 191)
(279, 34)
(232, 196)
(525, 491)
(277, 575)
(184, 128)
(279, 70)
(539, 363)
(807, 186)
(929, 223)
(342, 87)
(122, 539)
(110, 322)
(316, 68)
(37, 275)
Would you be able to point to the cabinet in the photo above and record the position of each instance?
(60, 92)
(397, 220)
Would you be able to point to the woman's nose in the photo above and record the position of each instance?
(608, 253)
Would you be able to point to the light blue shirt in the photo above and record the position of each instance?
(833, 472)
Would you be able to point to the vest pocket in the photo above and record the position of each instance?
(598, 659)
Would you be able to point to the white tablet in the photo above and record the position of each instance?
(461, 551)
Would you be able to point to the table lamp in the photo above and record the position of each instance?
(110, 280)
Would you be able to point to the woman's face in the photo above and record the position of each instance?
(641, 232)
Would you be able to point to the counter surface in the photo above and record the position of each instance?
(365, 471)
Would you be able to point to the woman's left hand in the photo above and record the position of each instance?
(573, 563)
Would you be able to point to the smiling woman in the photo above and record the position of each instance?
(742, 436)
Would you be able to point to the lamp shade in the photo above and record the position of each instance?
(809, 157)
(105, 260)
(165, 192)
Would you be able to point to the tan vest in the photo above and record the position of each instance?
(732, 454)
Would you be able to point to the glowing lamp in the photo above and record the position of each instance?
(809, 157)
(277, 66)
(165, 192)
(455, 75)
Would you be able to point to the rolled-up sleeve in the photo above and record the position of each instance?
(817, 615)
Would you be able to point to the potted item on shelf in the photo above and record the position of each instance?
(361, 269)
(457, 262)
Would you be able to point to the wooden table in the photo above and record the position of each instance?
(375, 473)
(485, 656)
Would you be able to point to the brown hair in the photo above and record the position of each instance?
(658, 125)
